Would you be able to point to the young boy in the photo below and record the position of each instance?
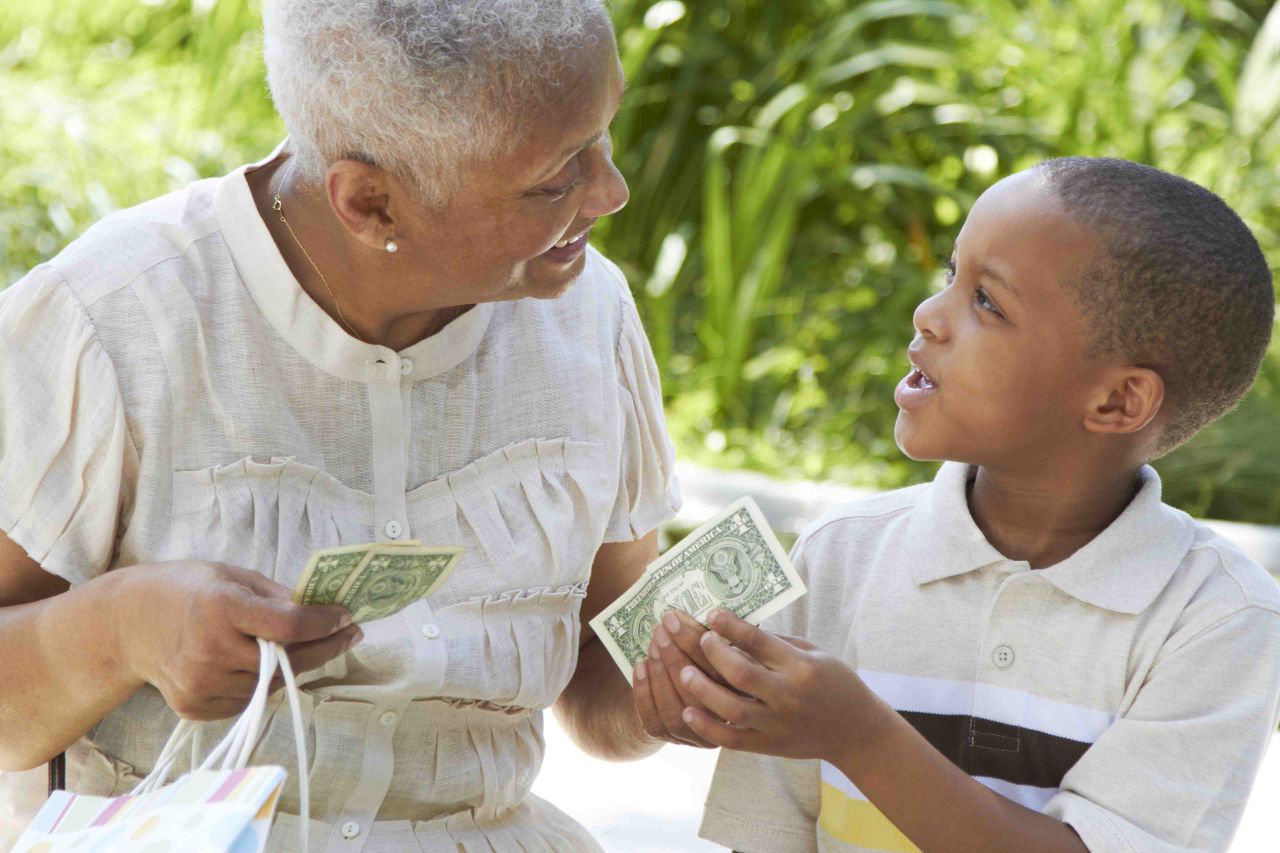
(1031, 653)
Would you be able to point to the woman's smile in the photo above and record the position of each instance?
(569, 248)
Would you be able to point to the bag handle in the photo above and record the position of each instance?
(237, 746)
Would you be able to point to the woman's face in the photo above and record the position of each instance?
(498, 237)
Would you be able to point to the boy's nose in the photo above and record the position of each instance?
(929, 319)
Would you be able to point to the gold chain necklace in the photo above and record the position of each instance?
(278, 207)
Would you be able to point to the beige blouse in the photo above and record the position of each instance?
(169, 392)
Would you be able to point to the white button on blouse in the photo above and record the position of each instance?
(200, 406)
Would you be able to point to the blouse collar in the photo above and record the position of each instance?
(304, 324)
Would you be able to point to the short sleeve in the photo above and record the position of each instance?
(1173, 773)
(63, 437)
(648, 492)
(761, 803)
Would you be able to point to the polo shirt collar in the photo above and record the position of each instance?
(1123, 569)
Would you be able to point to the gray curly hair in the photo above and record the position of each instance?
(417, 87)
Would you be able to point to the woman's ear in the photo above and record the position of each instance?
(1129, 401)
(361, 198)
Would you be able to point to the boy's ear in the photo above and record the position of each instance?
(1129, 401)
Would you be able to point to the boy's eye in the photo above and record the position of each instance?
(951, 270)
(984, 301)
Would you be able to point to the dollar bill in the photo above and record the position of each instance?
(733, 562)
(327, 572)
(392, 578)
(375, 580)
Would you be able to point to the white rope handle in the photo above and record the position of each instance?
(243, 736)
(236, 748)
(182, 734)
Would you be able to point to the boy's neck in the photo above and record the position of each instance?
(1047, 516)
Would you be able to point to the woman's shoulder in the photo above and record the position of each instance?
(125, 245)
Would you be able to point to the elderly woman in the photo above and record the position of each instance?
(391, 328)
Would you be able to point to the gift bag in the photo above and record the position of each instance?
(213, 809)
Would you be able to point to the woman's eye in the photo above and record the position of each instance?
(951, 270)
(984, 302)
(559, 193)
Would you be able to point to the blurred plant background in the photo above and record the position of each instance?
(797, 168)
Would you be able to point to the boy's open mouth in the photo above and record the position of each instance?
(915, 389)
(918, 379)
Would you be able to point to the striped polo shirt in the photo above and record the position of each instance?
(1129, 690)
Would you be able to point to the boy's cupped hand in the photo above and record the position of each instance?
(769, 693)
(659, 695)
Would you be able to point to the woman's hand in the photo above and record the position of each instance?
(190, 630)
(660, 697)
(793, 699)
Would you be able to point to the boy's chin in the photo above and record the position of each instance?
(922, 443)
(917, 443)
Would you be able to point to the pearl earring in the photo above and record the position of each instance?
(391, 246)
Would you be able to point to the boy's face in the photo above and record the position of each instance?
(1000, 373)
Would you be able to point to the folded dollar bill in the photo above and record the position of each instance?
(733, 562)
(375, 580)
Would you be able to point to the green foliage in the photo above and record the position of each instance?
(105, 104)
(797, 168)
(838, 145)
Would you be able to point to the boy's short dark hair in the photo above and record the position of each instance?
(1182, 288)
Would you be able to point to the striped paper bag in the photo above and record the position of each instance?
(216, 808)
(203, 812)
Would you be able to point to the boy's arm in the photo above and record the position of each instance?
(1174, 772)
(935, 803)
(802, 703)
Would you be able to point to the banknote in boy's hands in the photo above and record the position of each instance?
(376, 580)
(733, 562)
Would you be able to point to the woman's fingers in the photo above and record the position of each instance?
(646, 706)
(282, 621)
(254, 581)
(673, 660)
(191, 633)
(304, 657)
(685, 632)
(669, 704)
(214, 709)
(239, 687)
